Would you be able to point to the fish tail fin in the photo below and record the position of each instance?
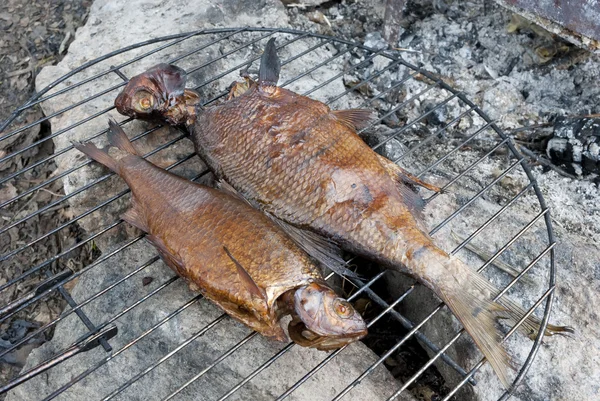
(478, 314)
(118, 138)
(513, 313)
(101, 156)
(270, 65)
(471, 298)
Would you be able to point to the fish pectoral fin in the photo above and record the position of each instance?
(169, 257)
(406, 184)
(410, 179)
(399, 174)
(133, 217)
(270, 65)
(356, 119)
(317, 246)
(246, 279)
(415, 203)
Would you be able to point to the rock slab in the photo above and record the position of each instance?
(111, 26)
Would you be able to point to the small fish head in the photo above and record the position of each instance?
(158, 94)
(323, 320)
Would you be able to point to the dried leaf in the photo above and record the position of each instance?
(7, 191)
(318, 17)
(64, 43)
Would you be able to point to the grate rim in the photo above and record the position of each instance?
(172, 40)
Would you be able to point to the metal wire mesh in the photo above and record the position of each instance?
(418, 134)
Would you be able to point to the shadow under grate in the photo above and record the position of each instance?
(421, 124)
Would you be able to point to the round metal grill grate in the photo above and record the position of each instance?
(429, 136)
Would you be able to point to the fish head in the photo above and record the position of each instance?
(323, 320)
(158, 94)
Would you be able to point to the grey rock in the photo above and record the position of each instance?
(102, 33)
(393, 149)
(501, 99)
(562, 363)
(116, 25)
(435, 115)
(305, 3)
(196, 356)
(112, 26)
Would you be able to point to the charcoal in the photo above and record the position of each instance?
(575, 144)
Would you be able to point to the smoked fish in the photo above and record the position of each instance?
(229, 251)
(304, 164)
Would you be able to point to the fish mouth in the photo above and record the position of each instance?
(305, 337)
(182, 109)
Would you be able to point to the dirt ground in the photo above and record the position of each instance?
(33, 34)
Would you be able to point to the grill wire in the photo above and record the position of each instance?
(99, 334)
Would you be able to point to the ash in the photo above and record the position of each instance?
(542, 92)
(534, 85)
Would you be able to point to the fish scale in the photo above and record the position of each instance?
(282, 187)
(305, 165)
(233, 254)
(333, 184)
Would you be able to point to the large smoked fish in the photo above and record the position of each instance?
(304, 164)
(235, 255)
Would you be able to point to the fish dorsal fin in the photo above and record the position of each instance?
(354, 118)
(270, 65)
(317, 246)
(118, 138)
(245, 277)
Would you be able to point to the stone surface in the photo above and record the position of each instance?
(467, 47)
(165, 18)
(562, 364)
(303, 3)
(374, 40)
(102, 34)
(192, 359)
(143, 20)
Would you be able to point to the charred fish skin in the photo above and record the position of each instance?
(159, 95)
(231, 252)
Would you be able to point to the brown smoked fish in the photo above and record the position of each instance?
(236, 256)
(304, 164)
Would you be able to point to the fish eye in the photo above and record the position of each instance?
(343, 308)
(143, 101)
